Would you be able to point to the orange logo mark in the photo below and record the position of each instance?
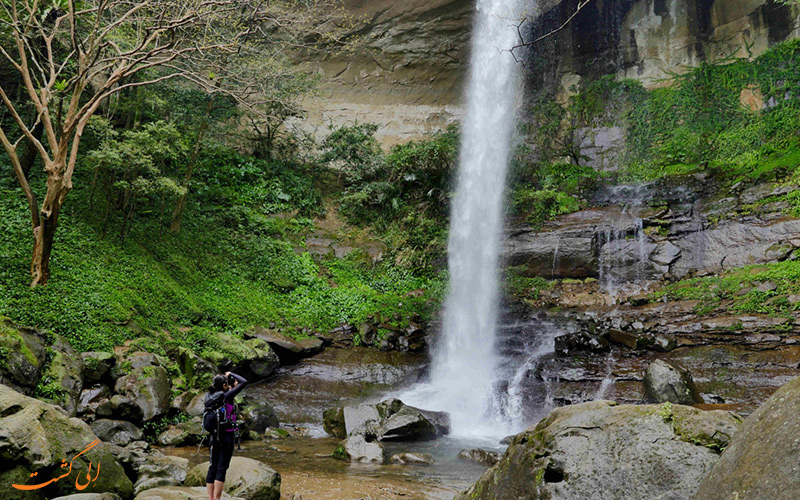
(64, 465)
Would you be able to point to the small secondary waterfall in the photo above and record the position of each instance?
(464, 365)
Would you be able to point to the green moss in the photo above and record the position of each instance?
(713, 291)
(340, 452)
(11, 340)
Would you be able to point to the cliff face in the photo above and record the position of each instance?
(650, 39)
(408, 76)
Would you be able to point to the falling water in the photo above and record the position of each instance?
(464, 362)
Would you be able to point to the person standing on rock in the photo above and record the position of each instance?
(220, 420)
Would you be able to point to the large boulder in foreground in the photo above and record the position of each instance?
(667, 382)
(180, 493)
(599, 451)
(246, 478)
(763, 459)
(36, 437)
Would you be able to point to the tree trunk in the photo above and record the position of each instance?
(44, 232)
(43, 235)
(30, 153)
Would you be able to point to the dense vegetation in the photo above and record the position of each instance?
(736, 119)
(239, 259)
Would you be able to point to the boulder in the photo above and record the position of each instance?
(36, 437)
(197, 371)
(118, 432)
(389, 420)
(333, 422)
(412, 459)
(97, 366)
(152, 469)
(246, 478)
(258, 417)
(763, 458)
(183, 434)
(197, 405)
(480, 456)
(121, 407)
(362, 419)
(668, 382)
(356, 448)
(602, 451)
(180, 493)
(148, 388)
(288, 349)
(254, 358)
(90, 399)
(24, 356)
(63, 377)
(407, 424)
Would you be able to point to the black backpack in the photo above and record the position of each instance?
(214, 415)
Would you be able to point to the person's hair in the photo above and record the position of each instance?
(216, 385)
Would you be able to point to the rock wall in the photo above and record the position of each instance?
(650, 39)
(408, 73)
(406, 76)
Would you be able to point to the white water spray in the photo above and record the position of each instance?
(464, 365)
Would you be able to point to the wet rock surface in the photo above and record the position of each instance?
(626, 238)
(602, 451)
(480, 456)
(300, 393)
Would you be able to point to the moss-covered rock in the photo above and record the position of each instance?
(62, 379)
(763, 458)
(148, 388)
(22, 356)
(601, 451)
(97, 366)
(183, 434)
(36, 437)
(253, 358)
(333, 422)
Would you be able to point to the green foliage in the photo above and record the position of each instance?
(233, 266)
(354, 150)
(152, 428)
(666, 412)
(403, 195)
(523, 287)
(739, 289)
(541, 205)
(697, 121)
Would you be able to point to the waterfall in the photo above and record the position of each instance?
(464, 364)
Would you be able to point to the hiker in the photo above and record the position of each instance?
(219, 419)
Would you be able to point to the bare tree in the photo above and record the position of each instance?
(71, 56)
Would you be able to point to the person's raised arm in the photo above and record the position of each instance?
(241, 382)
